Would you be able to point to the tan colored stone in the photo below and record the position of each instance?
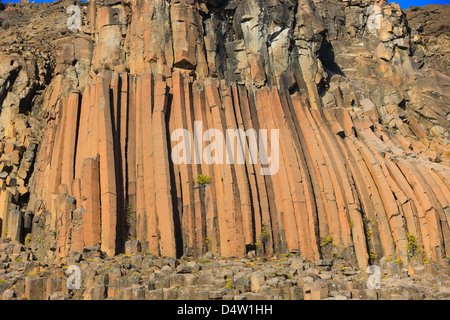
(109, 209)
(90, 195)
(163, 187)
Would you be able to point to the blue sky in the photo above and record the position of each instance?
(403, 3)
(406, 4)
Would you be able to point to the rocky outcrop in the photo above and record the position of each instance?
(362, 123)
(429, 30)
(428, 20)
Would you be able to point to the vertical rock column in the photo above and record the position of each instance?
(180, 108)
(83, 131)
(131, 201)
(140, 188)
(196, 149)
(280, 207)
(90, 195)
(54, 176)
(241, 178)
(228, 201)
(262, 192)
(70, 139)
(5, 203)
(303, 215)
(108, 185)
(122, 129)
(150, 225)
(162, 180)
(349, 203)
(209, 192)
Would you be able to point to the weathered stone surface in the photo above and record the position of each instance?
(357, 97)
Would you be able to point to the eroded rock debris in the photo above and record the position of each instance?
(141, 276)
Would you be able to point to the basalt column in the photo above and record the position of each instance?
(233, 128)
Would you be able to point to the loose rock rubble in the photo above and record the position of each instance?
(139, 276)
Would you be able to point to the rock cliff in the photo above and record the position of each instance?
(359, 97)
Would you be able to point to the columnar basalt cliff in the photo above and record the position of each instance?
(363, 124)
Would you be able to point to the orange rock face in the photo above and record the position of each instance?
(331, 184)
(350, 182)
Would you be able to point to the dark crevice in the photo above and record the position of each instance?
(178, 230)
